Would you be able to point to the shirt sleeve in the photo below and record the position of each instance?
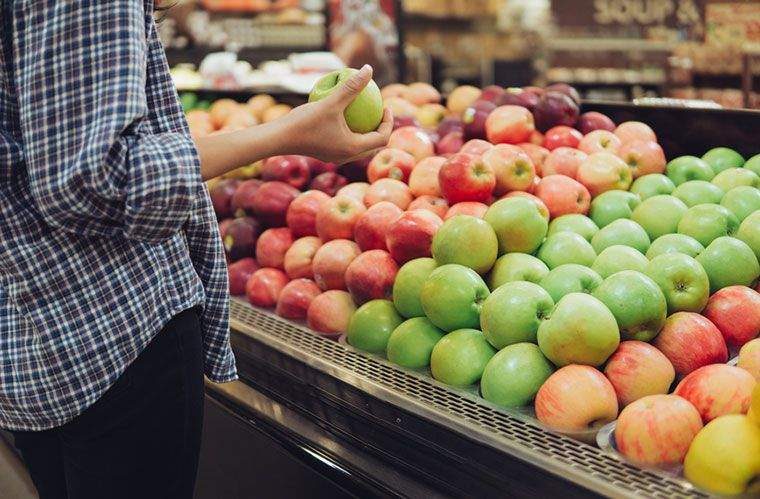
(94, 166)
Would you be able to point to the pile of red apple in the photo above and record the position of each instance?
(556, 259)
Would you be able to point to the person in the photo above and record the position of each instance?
(113, 284)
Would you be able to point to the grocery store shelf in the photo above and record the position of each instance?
(608, 45)
(509, 432)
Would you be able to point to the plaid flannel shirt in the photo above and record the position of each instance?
(106, 229)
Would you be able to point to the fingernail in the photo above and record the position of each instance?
(365, 69)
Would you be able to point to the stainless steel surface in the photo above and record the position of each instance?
(462, 411)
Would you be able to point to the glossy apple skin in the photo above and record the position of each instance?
(437, 206)
(736, 177)
(682, 279)
(518, 224)
(735, 311)
(411, 343)
(372, 325)
(602, 172)
(749, 358)
(691, 341)
(614, 259)
(588, 122)
(600, 141)
(509, 125)
(537, 154)
(652, 184)
(461, 98)
(356, 190)
(685, 168)
(241, 203)
(468, 241)
(717, 390)
(460, 357)
(637, 369)
(474, 119)
(516, 267)
(749, 232)
(554, 109)
(562, 136)
(330, 312)
(388, 189)
(563, 161)
(291, 169)
(674, 243)
(706, 222)
(613, 205)
(566, 247)
(271, 202)
(365, 112)
(580, 224)
(264, 287)
(563, 195)
(331, 261)
(412, 140)
(657, 430)
(298, 258)
(337, 217)
(240, 237)
(471, 208)
(295, 298)
(621, 231)
(449, 144)
(272, 246)
(570, 278)
(408, 286)
(512, 167)
(743, 201)
(302, 213)
(694, 192)
(371, 228)
(391, 163)
(576, 398)
(239, 273)
(631, 131)
(423, 180)
(514, 375)
(643, 157)
(542, 209)
(728, 262)
(659, 215)
(723, 158)
(452, 297)
(221, 197)
(476, 147)
(465, 177)
(411, 235)
(512, 313)
(370, 276)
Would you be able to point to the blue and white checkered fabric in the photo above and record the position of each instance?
(106, 229)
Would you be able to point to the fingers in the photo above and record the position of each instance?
(347, 92)
(379, 138)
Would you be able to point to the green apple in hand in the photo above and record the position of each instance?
(705, 222)
(734, 177)
(513, 312)
(570, 278)
(566, 247)
(468, 241)
(729, 261)
(696, 192)
(742, 201)
(460, 357)
(365, 113)
(411, 343)
(674, 243)
(408, 285)
(659, 215)
(637, 303)
(653, 184)
(519, 225)
(516, 267)
(452, 297)
(513, 376)
(580, 224)
(685, 168)
(612, 205)
(723, 158)
(372, 325)
(615, 259)
(624, 232)
(682, 280)
(749, 232)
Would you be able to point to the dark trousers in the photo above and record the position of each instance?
(141, 439)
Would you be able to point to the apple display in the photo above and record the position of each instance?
(302, 213)
(290, 169)
(512, 313)
(614, 259)
(449, 144)
(749, 232)
(296, 297)
(471, 208)
(518, 224)
(372, 325)
(734, 177)
(337, 217)
(370, 276)
(514, 375)
(537, 155)
(562, 136)
(330, 312)
(749, 359)
(570, 278)
(637, 370)
(240, 238)
(563, 195)
(264, 287)
(674, 243)
(271, 201)
(241, 202)
(407, 286)
(461, 98)
(298, 258)
(468, 241)
(516, 267)
(493, 93)
(411, 235)
(706, 222)
(563, 161)
(403, 110)
(682, 280)
(735, 311)
(372, 226)
(602, 172)
(566, 247)
(388, 189)
(239, 273)
(391, 163)
(476, 147)
(685, 168)
(742, 201)
(643, 157)
(272, 246)
(652, 185)
(600, 141)
(356, 190)
(423, 180)
(221, 195)
(437, 206)
(694, 192)
(542, 209)
(592, 120)
(331, 261)
(512, 167)
(729, 261)
(717, 390)
(554, 109)
(460, 357)
(329, 183)
(691, 341)
(411, 343)
(631, 131)
(448, 125)
(753, 164)
(723, 158)
(613, 205)
(566, 89)
(452, 297)
(509, 125)
(412, 140)
(622, 231)
(420, 93)
(430, 114)
(474, 119)
(579, 224)
(365, 112)
(659, 215)
(465, 177)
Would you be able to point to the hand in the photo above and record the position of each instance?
(319, 129)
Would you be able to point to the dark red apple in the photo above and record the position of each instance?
(370, 276)
(355, 171)
(492, 93)
(328, 182)
(448, 125)
(523, 98)
(451, 143)
(474, 119)
(291, 169)
(402, 121)
(242, 200)
(240, 238)
(588, 122)
(295, 298)
(221, 197)
(239, 273)
(554, 109)
(566, 89)
(318, 167)
(270, 202)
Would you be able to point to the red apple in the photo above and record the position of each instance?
(476, 147)
(302, 213)
(566, 89)
(272, 246)
(356, 190)
(264, 287)
(388, 189)
(451, 143)
(271, 201)
(526, 97)
(356, 171)
(600, 141)
(602, 172)
(492, 93)
(242, 201)
(448, 125)
(471, 208)
(588, 122)
(331, 262)
(563, 195)
(562, 136)
(638, 369)
(554, 109)
(635, 130)
(296, 297)
(402, 121)
(391, 163)
(542, 209)
(439, 206)
(465, 177)
(691, 341)
(717, 390)
(370, 276)
(337, 216)
(538, 155)
(373, 225)
(299, 256)
(291, 169)
(424, 178)
(563, 161)
(223, 226)
(474, 119)
(221, 196)
(330, 312)
(512, 167)
(735, 311)
(239, 273)
(240, 238)
(509, 125)
(412, 140)
(643, 157)
(328, 182)
(411, 235)
(318, 167)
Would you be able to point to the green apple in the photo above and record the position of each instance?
(624, 232)
(685, 168)
(675, 243)
(372, 325)
(514, 375)
(517, 267)
(580, 330)
(570, 278)
(653, 184)
(734, 177)
(682, 280)
(723, 158)
(566, 247)
(519, 225)
(749, 232)
(728, 262)
(742, 201)
(408, 285)
(615, 259)
(696, 192)
(753, 164)
(460, 357)
(468, 241)
(411, 343)
(637, 303)
(705, 222)
(452, 297)
(659, 215)
(365, 113)
(612, 205)
(580, 224)
(512, 313)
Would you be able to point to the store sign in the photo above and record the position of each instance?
(734, 22)
(670, 13)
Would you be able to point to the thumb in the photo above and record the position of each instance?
(353, 86)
